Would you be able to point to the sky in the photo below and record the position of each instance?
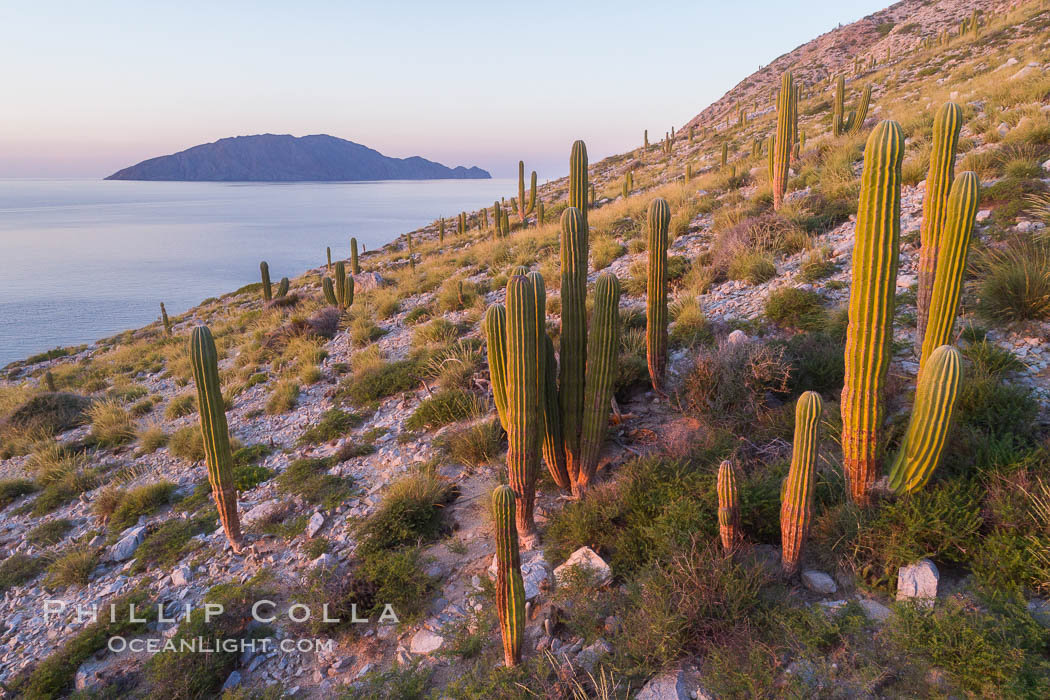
(91, 87)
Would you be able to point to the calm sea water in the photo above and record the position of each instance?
(84, 259)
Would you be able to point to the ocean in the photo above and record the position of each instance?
(81, 260)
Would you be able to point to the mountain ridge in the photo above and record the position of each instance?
(287, 158)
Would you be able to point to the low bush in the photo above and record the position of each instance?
(797, 308)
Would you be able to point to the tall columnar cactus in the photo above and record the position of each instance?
(838, 115)
(497, 219)
(522, 401)
(645, 139)
(328, 255)
(282, 288)
(573, 360)
(728, 507)
(164, 318)
(603, 352)
(930, 421)
(441, 230)
(204, 361)
(946, 125)
(869, 335)
(625, 191)
(578, 178)
(355, 266)
(525, 209)
(551, 444)
(510, 588)
(725, 154)
(688, 172)
(862, 111)
(495, 328)
(49, 382)
(539, 212)
(329, 292)
(796, 503)
(960, 214)
(340, 284)
(267, 290)
(770, 155)
(504, 223)
(782, 144)
(656, 292)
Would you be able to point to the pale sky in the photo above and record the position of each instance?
(91, 87)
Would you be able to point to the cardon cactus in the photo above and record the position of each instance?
(539, 212)
(328, 254)
(784, 141)
(946, 125)
(329, 292)
(355, 267)
(603, 352)
(344, 286)
(645, 139)
(441, 230)
(838, 115)
(49, 382)
(728, 507)
(688, 172)
(497, 220)
(495, 328)
(510, 588)
(525, 209)
(282, 288)
(862, 111)
(725, 154)
(796, 501)
(573, 360)
(164, 318)
(960, 214)
(656, 292)
(267, 290)
(215, 432)
(930, 421)
(770, 154)
(550, 413)
(522, 401)
(869, 335)
(578, 179)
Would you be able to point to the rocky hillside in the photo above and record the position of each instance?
(367, 442)
(273, 158)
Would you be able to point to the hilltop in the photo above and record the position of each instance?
(367, 438)
(285, 158)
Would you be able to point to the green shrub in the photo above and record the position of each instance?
(13, 489)
(475, 444)
(111, 424)
(334, 424)
(446, 406)
(381, 380)
(19, 568)
(50, 413)
(817, 363)
(798, 308)
(411, 513)
(283, 398)
(187, 443)
(48, 533)
(72, 568)
(986, 655)
(1013, 283)
(139, 501)
(172, 541)
(310, 479)
(754, 267)
(181, 405)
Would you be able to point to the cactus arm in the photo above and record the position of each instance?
(960, 214)
(930, 421)
(656, 293)
(495, 328)
(869, 334)
(796, 508)
(946, 126)
(573, 356)
(282, 287)
(329, 292)
(522, 402)
(215, 431)
(862, 111)
(553, 439)
(603, 352)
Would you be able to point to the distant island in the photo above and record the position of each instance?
(285, 158)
